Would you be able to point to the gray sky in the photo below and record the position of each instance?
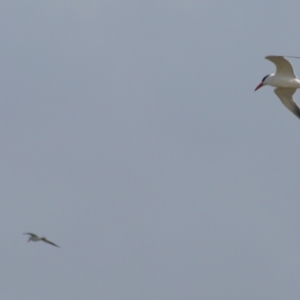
(131, 136)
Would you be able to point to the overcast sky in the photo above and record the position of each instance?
(131, 136)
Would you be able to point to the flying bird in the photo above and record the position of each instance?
(285, 82)
(33, 237)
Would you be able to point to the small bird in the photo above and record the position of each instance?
(33, 237)
(285, 81)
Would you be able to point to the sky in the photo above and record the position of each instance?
(131, 136)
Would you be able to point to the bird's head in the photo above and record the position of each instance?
(263, 82)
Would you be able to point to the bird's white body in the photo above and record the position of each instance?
(285, 81)
(34, 238)
(282, 81)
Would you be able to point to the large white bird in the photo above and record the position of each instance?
(33, 237)
(285, 81)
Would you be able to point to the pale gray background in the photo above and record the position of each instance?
(131, 136)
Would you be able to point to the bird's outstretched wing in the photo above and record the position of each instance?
(286, 97)
(283, 66)
(32, 234)
(45, 240)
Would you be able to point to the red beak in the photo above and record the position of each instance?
(259, 86)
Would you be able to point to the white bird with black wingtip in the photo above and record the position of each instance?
(285, 81)
(33, 237)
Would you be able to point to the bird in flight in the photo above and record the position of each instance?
(285, 82)
(33, 237)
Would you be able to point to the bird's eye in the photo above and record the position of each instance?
(264, 78)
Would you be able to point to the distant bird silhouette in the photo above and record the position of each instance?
(33, 237)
